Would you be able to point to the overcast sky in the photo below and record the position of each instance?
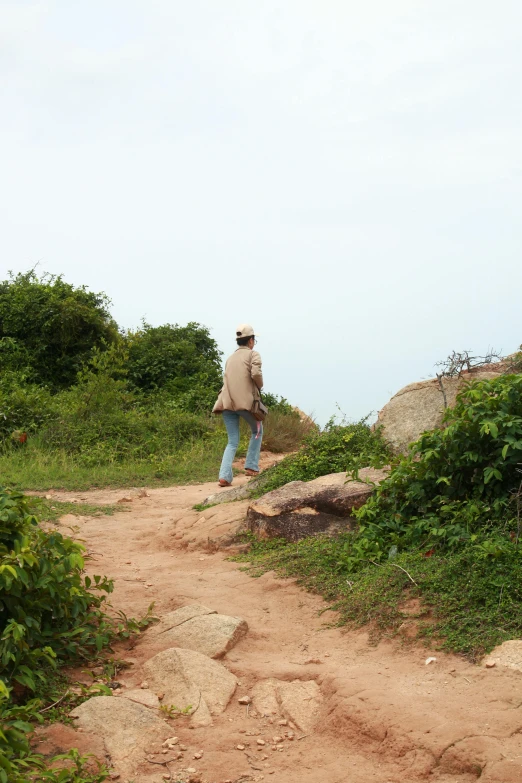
(346, 176)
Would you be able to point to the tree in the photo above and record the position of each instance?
(183, 360)
(48, 328)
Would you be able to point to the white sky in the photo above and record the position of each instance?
(346, 176)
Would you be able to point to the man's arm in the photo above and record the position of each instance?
(256, 372)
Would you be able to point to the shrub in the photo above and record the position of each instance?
(24, 406)
(47, 610)
(456, 482)
(284, 431)
(338, 448)
(48, 327)
(48, 615)
(184, 360)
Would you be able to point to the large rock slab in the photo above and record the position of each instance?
(198, 628)
(298, 701)
(127, 728)
(191, 682)
(506, 656)
(420, 406)
(306, 508)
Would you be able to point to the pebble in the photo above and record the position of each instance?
(276, 739)
(282, 723)
(198, 755)
(171, 741)
(183, 747)
(290, 735)
(144, 685)
(490, 664)
(261, 741)
(191, 770)
(167, 776)
(240, 747)
(160, 695)
(245, 700)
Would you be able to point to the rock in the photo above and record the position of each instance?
(304, 508)
(192, 681)
(142, 696)
(299, 701)
(235, 493)
(245, 700)
(127, 728)
(420, 406)
(506, 656)
(198, 628)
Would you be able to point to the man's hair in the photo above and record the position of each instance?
(244, 340)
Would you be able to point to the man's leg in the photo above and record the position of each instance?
(254, 447)
(231, 420)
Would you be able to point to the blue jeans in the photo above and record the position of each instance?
(231, 419)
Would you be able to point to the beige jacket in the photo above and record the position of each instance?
(243, 379)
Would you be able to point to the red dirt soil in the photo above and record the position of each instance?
(387, 717)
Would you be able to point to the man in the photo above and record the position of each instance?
(241, 385)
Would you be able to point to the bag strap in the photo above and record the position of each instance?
(257, 393)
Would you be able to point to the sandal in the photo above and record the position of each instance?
(251, 472)
(224, 483)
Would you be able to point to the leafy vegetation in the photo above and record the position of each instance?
(444, 527)
(48, 328)
(83, 404)
(337, 448)
(50, 613)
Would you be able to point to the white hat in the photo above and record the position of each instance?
(245, 330)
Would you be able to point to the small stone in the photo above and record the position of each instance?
(198, 755)
(490, 664)
(282, 723)
(277, 739)
(191, 770)
(327, 655)
(167, 776)
(245, 700)
(183, 747)
(144, 685)
(260, 741)
(240, 747)
(160, 695)
(290, 736)
(429, 660)
(165, 750)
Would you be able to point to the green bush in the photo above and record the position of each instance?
(456, 483)
(49, 615)
(338, 448)
(47, 609)
(183, 360)
(48, 327)
(24, 406)
(101, 420)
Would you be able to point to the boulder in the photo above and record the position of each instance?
(234, 493)
(127, 728)
(198, 628)
(305, 508)
(506, 656)
(420, 406)
(191, 682)
(298, 701)
(142, 696)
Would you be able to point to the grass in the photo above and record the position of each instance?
(469, 603)
(53, 510)
(37, 468)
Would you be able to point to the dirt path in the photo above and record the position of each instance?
(386, 716)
